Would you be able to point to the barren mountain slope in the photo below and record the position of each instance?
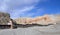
(43, 20)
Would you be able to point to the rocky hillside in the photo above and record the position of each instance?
(43, 20)
(4, 18)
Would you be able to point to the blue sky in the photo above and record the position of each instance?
(29, 8)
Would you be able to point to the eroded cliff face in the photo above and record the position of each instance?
(43, 20)
(4, 18)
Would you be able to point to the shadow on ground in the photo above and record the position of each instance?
(29, 25)
(21, 26)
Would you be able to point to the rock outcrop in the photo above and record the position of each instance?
(4, 18)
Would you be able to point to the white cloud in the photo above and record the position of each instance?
(18, 7)
(20, 12)
(3, 7)
(39, 11)
(11, 4)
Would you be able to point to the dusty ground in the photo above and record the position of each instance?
(35, 30)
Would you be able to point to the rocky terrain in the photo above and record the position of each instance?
(42, 20)
(33, 30)
(4, 18)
